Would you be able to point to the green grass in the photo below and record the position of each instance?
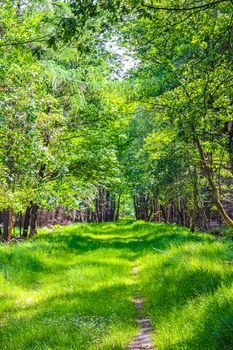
(72, 288)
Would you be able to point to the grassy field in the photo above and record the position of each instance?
(72, 288)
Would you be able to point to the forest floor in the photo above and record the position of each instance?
(73, 288)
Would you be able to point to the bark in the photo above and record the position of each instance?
(228, 130)
(118, 207)
(169, 213)
(11, 221)
(142, 207)
(5, 220)
(88, 215)
(20, 223)
(1, 223)
(135, 207)
(26, 221)
(32, 219)
(194, 212)
(164, 213)
(151, 214)
(214, 189)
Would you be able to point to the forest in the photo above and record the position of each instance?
(116, 172)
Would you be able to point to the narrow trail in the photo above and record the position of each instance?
(143, 340)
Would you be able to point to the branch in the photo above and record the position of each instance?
(25, 42)
(185, 19)
(206, 6)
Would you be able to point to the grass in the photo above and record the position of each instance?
(72, 288)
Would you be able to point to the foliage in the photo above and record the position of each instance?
(74, 118)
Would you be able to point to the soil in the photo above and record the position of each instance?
(143, 340)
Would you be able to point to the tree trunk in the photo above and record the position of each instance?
(5, 220)
(26, 221)
(118, 207)
(135, 207)
(194, 211)
(32, 219)
(1, 223)
(164, 213)
(11, 221)
(214, 189)
(20, 223)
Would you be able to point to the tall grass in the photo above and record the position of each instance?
(65, 290)
(72, 288)
(187, 282)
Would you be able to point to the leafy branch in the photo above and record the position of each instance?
(204, 7)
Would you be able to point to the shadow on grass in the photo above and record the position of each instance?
(131, 241)
(87, 315)
(214, 331)
(119, 238)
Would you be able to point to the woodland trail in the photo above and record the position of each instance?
(143, 340)
(126, 285)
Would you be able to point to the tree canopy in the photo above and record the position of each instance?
(101, 99)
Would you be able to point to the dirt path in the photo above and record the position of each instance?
(142, 341)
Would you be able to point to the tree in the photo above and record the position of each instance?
(190, 74)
